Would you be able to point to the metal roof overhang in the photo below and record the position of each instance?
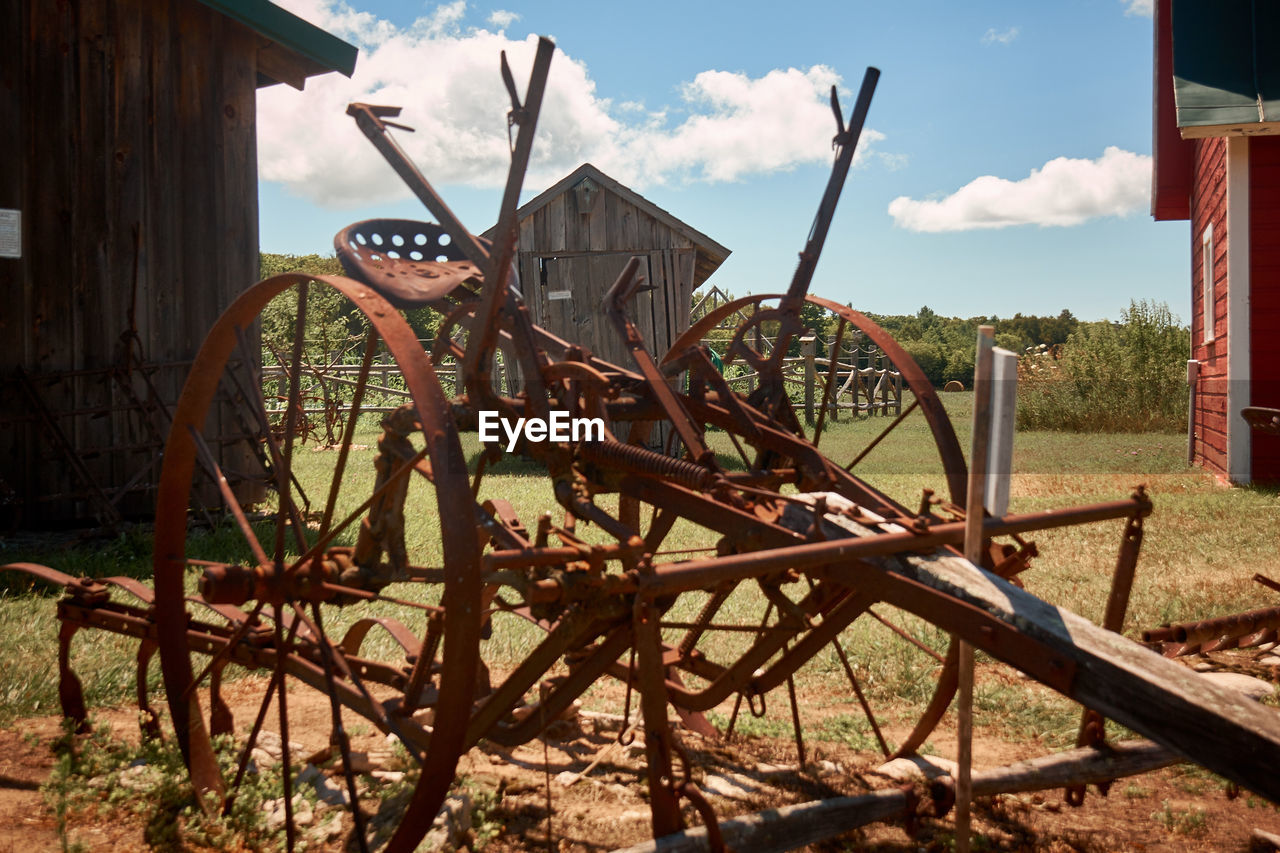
(1226, 67)
(1173, 156)
(293, 49)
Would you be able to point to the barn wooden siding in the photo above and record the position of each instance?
(1209, 204)
(1264, 296)
(127, 133)
(575, 239)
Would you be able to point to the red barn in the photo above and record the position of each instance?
(1217, 163)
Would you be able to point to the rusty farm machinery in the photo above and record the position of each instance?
(605, 593)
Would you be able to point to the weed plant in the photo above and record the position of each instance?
(1124, 377)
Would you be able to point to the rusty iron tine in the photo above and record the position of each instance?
(225, 651)
(1266, 581)
(1092, 724)
(795, 715)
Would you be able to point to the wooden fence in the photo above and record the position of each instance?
(863, 382)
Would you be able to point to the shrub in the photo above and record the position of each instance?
(1123, 377)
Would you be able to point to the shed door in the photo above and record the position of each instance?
(570, 291)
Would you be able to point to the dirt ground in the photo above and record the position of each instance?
(598, 799)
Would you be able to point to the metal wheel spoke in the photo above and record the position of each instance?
(283, 469)
(340, 731)
(228, 497)
(223, 653)
(290, 416)
(890, 428)
(832, 368)
(904, 634)
(357, 399)
(862, 699)
(318, 548)
(282, 705)
(348, 673)
(276, 682)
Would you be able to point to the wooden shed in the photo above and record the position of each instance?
(576, 237)
(1217, 164)
(128, 221)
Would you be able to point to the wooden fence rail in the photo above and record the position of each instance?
(864, 382)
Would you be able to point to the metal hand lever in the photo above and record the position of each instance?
(370, 119)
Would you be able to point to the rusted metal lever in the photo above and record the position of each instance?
(846, 142)
(371, 121)
(379, 113)
(497, 269)
(615, 308)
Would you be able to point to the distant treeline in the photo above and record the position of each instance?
(944, 346)
(1127, 375)
(330, 319)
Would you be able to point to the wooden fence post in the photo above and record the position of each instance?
(834, 373)
(809, 349)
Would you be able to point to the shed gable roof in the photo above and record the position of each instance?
(295, 48)
(710, 254)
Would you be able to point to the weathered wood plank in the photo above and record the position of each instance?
(631, 228)
(1213, 726)
(597, 224)
(791, 827)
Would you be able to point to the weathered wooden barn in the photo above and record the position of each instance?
(128, 221)
(1217, 164)
(576, 237)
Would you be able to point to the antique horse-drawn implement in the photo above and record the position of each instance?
(609, 586)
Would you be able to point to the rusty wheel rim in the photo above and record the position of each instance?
(460, 582)
(954, 470)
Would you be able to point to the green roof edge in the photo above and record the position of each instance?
(300, 36)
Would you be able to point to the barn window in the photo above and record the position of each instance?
(1206, 284)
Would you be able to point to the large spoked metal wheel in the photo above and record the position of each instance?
(894, 634)
(274, 605)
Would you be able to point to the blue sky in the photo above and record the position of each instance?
(1006, 167)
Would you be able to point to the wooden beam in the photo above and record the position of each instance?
(1214, 726)
(790, 827)
(283, 66)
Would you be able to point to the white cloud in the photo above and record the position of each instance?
(1143, 8)
(1063, 191)
(994, 36)
(502, 19)
(445, 75)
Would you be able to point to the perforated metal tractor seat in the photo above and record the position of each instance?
(412, 264)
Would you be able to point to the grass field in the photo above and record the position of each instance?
(1203, 544)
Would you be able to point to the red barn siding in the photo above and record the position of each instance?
(1209, 204)
(1264, 295)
